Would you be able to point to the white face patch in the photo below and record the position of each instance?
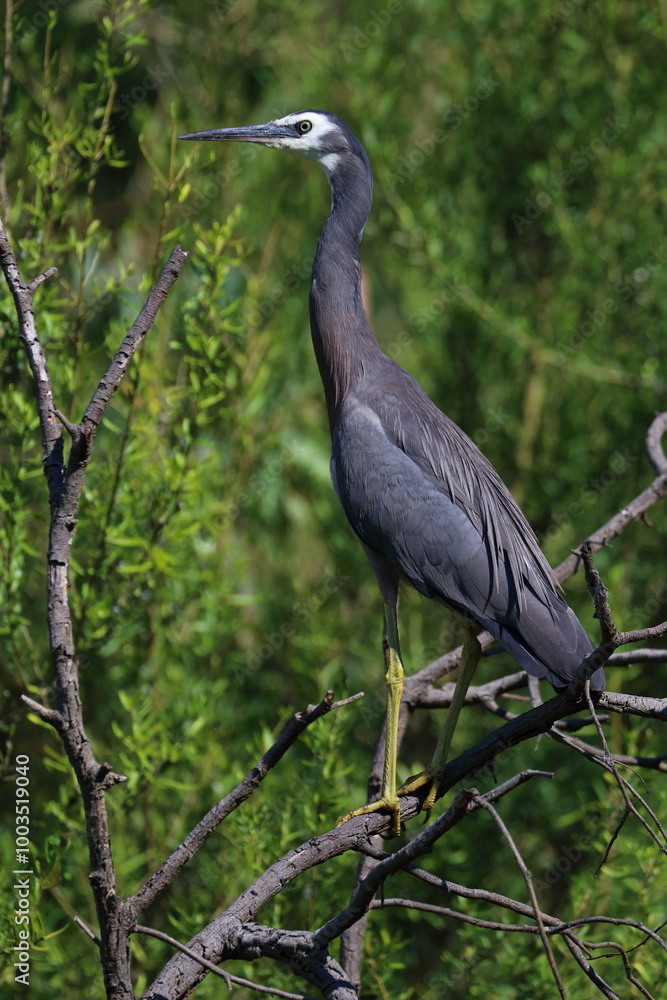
(314, 143)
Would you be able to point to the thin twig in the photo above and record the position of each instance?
(50, 715)
(614, 921)
(73, 430)
(161, 936)
(51, 434)
(621, 952)
(270, 990)
(579, 956)
(347, 701)
(600, 597)
(87, 930)
(641, 634)
(44, 276)
(168, 870)
(445, 911)
(632, 511)
(116, 370)
(528, 879)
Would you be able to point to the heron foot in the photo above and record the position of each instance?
(392, 805)
(417, 781)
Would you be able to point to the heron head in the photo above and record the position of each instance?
(319, 135)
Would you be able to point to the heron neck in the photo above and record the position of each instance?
(342, 337)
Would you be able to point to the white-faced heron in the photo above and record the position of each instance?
(425, 503)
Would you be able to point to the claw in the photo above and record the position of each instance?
(418, 781)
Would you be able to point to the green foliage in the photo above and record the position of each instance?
(515, 262)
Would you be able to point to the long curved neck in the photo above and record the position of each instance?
(342, 338)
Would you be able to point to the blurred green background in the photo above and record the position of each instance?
(515, 261)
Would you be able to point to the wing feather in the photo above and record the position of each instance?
(419, 492)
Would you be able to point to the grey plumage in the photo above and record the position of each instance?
(422, 497)
(427, 505)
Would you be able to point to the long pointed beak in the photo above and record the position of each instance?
(267, 134)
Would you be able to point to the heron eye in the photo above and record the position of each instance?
(303, 127)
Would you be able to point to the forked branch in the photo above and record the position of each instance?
(65, 484)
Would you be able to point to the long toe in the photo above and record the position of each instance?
(391, 805)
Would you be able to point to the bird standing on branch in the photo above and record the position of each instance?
(425, 503)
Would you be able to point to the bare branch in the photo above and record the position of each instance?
(629, 704)
(528, 879)
(629, 974)
(65, 487)
(41, 278)
(428, 696)
(641, 634)
(347, 701)
(465, 802)
(51, 434)
(352, 938)
(299, 950)
(552, 924)
(615, 921)
(87, 930)
(658, 763)
(617, 524)
(271, 991)
(161, 936)
(49, 715)
(73, 430)
(600, 597)
(214, 939)
(114, 375)
(445, 911)
(632, 656)
(608, 761)
(611, 636)
(366, 890)
(465, 892)
(578, 954)
(654, 449)
(194, 840)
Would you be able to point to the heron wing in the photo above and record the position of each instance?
(420, 493)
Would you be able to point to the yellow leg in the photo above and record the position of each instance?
(394, 685)
(435, 770)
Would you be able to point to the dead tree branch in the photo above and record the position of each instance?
(65, 484)
(528, 879)
(180, 857)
